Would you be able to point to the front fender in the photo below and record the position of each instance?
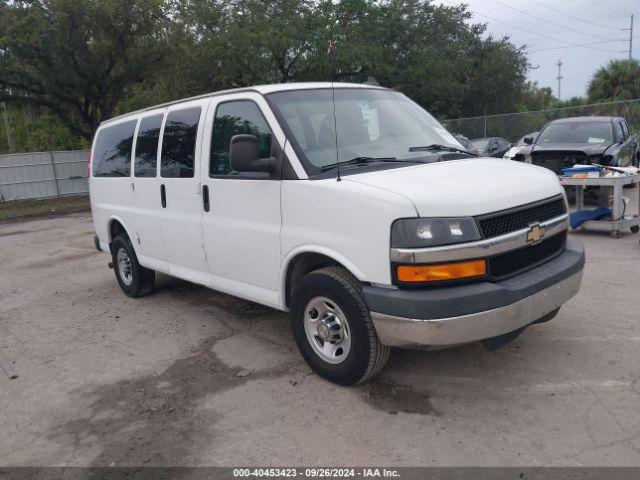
(338, 257)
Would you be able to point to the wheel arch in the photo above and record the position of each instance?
(115, 226)
(303, 260)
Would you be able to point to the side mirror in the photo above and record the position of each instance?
(528, 140)
(244, 155)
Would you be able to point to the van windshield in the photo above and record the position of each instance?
(371, 123)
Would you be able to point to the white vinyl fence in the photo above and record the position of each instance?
(43, 174)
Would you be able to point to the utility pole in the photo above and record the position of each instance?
(559, 77)
(7, 127)
(630, 38)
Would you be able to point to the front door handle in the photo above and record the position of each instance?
(163, 196)
(205, 198)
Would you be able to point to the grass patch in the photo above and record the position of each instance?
(43, 206)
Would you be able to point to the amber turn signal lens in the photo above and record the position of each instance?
(443, 271)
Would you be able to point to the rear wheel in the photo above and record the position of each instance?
(133, 278)
(333, 329)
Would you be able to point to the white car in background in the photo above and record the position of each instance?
(513, 151)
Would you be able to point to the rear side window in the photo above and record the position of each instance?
(112, 150)
(147, 146)
(235, 118)
(179, 143)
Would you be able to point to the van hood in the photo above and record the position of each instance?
(465, 187)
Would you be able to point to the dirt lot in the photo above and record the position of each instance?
(107, 380)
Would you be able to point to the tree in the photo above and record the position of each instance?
(537, 98)
(87, 60)
(37, 129)
(77, 57)
(619, 80)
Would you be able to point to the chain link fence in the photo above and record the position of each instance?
(513, 126)
(43, 174)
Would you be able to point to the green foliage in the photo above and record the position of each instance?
(536, 98)
(37, 129)
(619, 80)
(431, 53)
(76, 57)
(572, 102)
(87, 60)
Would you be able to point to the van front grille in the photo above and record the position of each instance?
(506, 221)
(513, 262)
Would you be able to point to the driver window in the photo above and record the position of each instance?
(234, 118)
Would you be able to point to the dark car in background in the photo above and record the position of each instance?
(566, 142)
(466, 143)
(491, 146)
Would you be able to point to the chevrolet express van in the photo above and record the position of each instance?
(348, 206)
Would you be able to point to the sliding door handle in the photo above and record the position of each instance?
(163, 196)
(205, 198)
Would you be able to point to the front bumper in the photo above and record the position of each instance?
(414, 318)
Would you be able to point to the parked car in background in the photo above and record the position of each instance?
(491, 146)
(520, 144)
(566, 142)
(466, 143)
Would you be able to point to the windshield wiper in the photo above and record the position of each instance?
(437, 147)
(360, 161)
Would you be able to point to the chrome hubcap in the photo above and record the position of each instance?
(327, 330)
(124, 266)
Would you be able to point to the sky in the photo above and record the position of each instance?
(596, 21)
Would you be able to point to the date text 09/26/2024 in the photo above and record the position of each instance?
(317, 472)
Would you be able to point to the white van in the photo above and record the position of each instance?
(349, 207)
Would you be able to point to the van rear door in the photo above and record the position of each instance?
(147, 209)
(178, 190)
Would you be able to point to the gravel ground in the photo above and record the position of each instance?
(188, 376)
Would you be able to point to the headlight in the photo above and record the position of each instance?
(432, 232)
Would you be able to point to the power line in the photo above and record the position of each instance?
(550, 22)
(569, 44)
(580, 45)
(573, 16)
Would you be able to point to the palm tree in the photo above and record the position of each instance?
(620, 80)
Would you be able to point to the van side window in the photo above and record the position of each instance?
(147, 146)
(179, 143)
(112, 150)
(235, 118)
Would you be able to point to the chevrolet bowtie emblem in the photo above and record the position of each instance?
(535, 233)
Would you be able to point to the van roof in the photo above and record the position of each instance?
(262, 89)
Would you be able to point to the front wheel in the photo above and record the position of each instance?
(333, 329)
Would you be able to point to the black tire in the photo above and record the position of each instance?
(141, 279)
(366, 356)
(635, 229)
